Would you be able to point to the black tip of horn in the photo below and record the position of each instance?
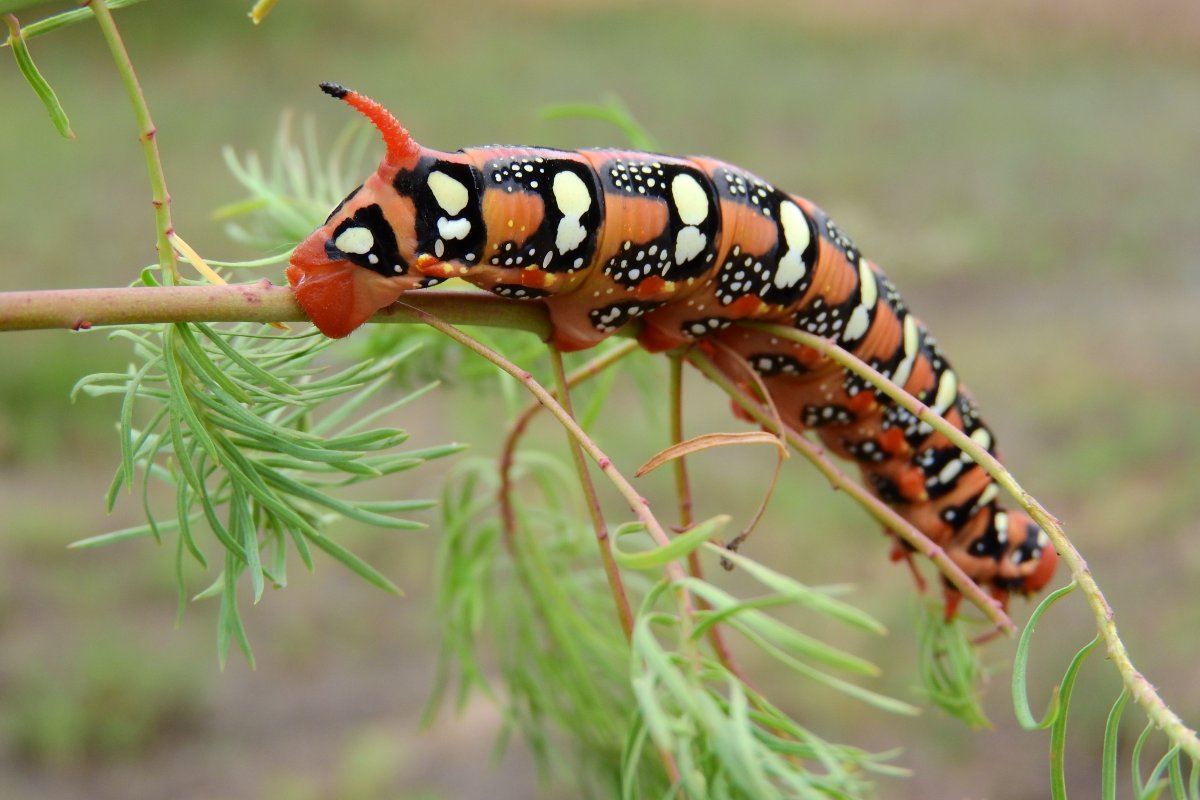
(335, 90)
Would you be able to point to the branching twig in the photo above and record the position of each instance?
(683, 491)
(160, 198)
(873, 505)
(636, 502)
(519, 425)
(1140, 688)
(611, 572)
(262, 302)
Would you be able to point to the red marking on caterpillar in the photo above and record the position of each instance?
(689, 247)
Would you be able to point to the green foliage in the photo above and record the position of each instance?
(536, 596)
(614, 113)
(292, 192)
(60, 20)
(950, 670)
(1164, 779)
(238, 426)
(580, 694)
(727, 739)
(233, 429)
(16, 40)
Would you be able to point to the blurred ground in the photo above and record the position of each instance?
(1028, 173)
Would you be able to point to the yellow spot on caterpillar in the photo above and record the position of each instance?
(690, 200)
(451, 195)
(791, 268)
(946, 392)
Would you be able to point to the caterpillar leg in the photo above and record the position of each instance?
(952, 598)
(902, 552)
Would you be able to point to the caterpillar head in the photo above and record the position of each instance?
(361, 259)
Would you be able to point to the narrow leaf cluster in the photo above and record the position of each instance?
(1165, 778)
(227, 420)
(620, 711)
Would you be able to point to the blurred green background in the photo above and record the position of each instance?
(1028, 173)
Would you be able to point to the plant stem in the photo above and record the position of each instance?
(683, 491)
(1139, 688)
(611, 572)
(517, 429)
(683, 487)
(160, 198)
(79, 309)
(873, 505)
(56, 21)
(638, 504)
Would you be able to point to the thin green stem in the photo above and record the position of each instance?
(1139, 688)
(873, 505)
(147, 135)
(611, 571)
(56, 21)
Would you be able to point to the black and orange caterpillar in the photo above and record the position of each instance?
(689, 246)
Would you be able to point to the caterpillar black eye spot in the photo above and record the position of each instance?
(367, 240)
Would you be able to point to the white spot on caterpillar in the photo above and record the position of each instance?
(372, 258)
(357, 240)
(988, 495)
(1001, 523)
(570, 234)
(796, 235)
(982, 437)
(859, 321)
(573, 201)
(453, 229)
(689, 243)
(950, 471)
(439, 248)
(690, 200)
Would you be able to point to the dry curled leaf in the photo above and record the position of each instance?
(706, 441)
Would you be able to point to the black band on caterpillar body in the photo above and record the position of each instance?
(690, 246)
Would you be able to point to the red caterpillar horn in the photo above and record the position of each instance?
(400, 146)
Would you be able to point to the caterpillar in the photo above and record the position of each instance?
(689, 247)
